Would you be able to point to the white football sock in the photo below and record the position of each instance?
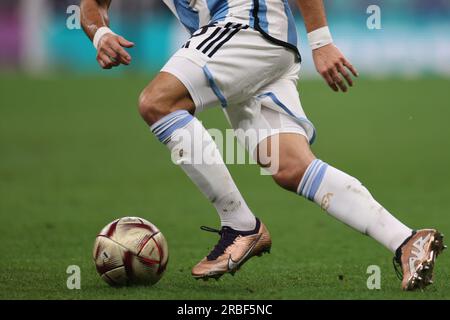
(193, 148)
(345, 198)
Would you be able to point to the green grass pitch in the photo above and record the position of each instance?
(74, 155)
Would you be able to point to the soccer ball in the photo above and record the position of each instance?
(130, 250)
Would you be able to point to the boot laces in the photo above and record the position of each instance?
(397, 268)
(227, 238)
(397, 259)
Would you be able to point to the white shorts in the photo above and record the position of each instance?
(253, 79)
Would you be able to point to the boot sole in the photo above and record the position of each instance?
(424, 272)
(217, 274)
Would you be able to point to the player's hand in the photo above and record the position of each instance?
(332, 66)
(111, 52)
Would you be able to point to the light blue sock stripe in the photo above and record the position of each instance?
(165, 135)
(168, 124)
(165, 127)
(306, 175)
(317, 181)
(310, 180)
(165, 119)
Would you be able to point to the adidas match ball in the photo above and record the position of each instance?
(130, 250)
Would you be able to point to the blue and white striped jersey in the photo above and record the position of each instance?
(273, 18)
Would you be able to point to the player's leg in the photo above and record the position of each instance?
(298, 170)
(214, 68)
(167, 107)
(281, 139)
(335, 191)
(345, 198)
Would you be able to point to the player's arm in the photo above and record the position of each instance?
(329, 61)
(110, 47)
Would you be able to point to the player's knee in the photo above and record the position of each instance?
(152, 106)
(289, 175)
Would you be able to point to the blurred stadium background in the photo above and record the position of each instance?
(413, 39)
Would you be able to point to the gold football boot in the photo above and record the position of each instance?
(417, 256)
(232, 251)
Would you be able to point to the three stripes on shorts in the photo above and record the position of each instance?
(221, 35)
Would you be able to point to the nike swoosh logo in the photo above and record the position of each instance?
(234, 264)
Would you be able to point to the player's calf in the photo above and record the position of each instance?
(294, 156)
(288, 176)
(167, 107)
(336, 192)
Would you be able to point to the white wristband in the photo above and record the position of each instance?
(319, 38)
(99, 34)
